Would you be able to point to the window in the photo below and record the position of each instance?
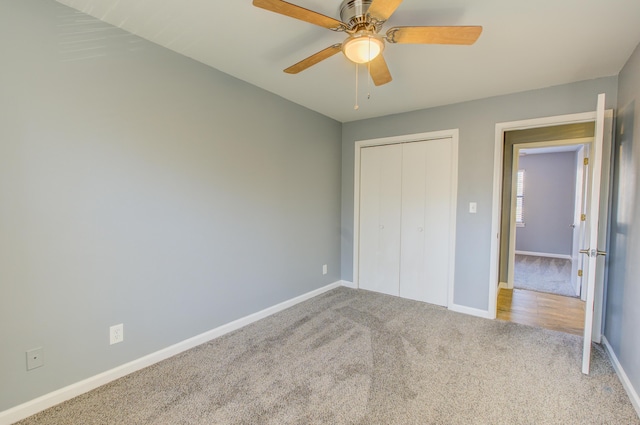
(520, 199)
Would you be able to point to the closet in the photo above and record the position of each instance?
(406, 219)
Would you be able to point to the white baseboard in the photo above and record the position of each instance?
(348, 284)
(626, 383)
(51, 399)
(544, 254)
(470, 311)
(453, 307)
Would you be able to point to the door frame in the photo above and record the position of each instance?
(581, 142)
(579, 229)
(502, 128)
(453, 134)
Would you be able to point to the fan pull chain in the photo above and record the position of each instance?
(369, 71)
(356, 107)
(368, 81)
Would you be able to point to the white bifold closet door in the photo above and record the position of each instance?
(380, 196)
(406, 210)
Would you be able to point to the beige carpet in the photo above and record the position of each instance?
(356, 357)
(543, 274)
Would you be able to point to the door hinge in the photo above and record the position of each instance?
(583, 217)
(586, 161)
(580, 273)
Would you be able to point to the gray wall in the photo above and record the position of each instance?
(476, 121)
(549, 201)
(622, 316)
(140, 187)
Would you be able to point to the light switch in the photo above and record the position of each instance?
(473, 207)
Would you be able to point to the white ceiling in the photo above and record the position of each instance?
(525, 45)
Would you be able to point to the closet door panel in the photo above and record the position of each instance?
(380, 201)
(426, 218)
(412, 260)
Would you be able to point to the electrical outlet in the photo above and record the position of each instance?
(324, 269)
(116, 334)
(35, 358)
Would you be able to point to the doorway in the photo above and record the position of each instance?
(540, 283)
(535, 130)
(547, 202)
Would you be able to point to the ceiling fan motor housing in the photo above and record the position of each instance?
(354, 14)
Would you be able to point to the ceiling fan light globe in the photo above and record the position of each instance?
(362, 48)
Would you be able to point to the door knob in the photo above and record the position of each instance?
(573, 226)
(592, 252)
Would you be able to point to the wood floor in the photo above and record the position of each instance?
(549, 311)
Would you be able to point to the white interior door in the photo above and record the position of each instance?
(591, 250)
(380, 197)
(603, 227)
(426, 220)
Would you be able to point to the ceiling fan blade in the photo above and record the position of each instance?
(379, 71)
(288, 9)
(314, 59)
(383, 9)
(434, 35)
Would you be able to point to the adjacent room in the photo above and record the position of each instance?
(544, 239)
(188, 234)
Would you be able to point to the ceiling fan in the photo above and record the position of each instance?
(362, 20)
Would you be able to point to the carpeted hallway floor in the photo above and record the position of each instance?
(543, 274)
(356, 357)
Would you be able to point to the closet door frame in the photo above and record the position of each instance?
(444, 134)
